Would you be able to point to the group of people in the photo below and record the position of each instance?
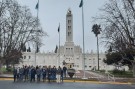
(38, 73)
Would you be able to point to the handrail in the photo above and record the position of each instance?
(111, 76)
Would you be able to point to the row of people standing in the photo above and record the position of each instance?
(29, 73)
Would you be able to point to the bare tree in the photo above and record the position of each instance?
(17, 27)
(118, 27)
(118, 23)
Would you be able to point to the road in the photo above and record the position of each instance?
(66, 85)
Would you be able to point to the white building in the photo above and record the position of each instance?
(69, 53)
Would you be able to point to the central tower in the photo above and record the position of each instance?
(69, 26)
(69, 44)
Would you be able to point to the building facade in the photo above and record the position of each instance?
(69, 54)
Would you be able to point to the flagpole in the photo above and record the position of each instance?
(84, 77)
(37, 11)
(59, 46)
(36, 48)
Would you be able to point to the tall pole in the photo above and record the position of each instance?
(59, 46)
(98, 52)
(37, 7)
(83, 40)
(37, 11)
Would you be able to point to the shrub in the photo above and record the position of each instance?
(116, 71)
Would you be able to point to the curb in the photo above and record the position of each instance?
(82, 81)
(98, 82)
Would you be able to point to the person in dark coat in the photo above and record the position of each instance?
(33, 73)
(29, 73)
(44, 72)
(61, 75)
(21, 71)
(38, 71)
(26, 71)
(54, 70)
(49, 73)
(18, 74)
(15, 74)
(64, 71)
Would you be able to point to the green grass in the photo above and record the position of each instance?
(4, 70)
(119, 73)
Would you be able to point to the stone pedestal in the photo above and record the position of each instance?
(71, 72)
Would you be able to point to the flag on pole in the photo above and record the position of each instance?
(36, 6)
(56, 49)
(59, 28)
(37, 49)
(81, 3)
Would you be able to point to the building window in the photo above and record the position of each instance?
(68, 27)
(85, 65)
(89, 66)
(24, 57)
(68, 33)
(29, 57)
(89, 59)
(69, 21)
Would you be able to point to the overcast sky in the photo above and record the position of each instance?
(53, 12)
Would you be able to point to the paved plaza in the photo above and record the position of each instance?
(66, 85)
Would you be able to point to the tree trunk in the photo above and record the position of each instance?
(98, 52)
(7, 65)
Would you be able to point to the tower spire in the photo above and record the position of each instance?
(69, 26)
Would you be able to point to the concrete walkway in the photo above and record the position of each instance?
(6, 75)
